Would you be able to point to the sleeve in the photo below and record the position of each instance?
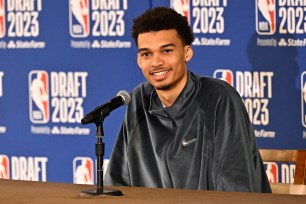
(237, 165)
(117, 173)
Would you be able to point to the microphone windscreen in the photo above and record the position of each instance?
(125, 96)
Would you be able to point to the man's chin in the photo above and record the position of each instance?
(163, 87)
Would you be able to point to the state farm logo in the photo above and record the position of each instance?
(79, 18)
(265, 17)
(83, 170)
(39, 96)
(4, 167)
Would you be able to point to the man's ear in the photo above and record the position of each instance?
(188, 53)
(138, 61)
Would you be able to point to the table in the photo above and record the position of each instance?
(281, 188)
(57, 193)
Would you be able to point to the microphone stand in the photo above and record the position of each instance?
(99, 148)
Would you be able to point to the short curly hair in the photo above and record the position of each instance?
(162, 18)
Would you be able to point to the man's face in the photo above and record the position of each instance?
(162, 58)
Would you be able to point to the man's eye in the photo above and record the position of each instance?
(145, 54)
(167, 51)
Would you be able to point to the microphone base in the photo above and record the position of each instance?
(101, 192)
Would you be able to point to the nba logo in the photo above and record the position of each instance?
(225, 75)
(265, 17)
(272, 171)
(4, 167)
(79, 18)
(182, 7)
(83, 170)
(2, 18)
(38, 96)
(303, 97)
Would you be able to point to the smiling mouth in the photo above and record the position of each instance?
(160, 73)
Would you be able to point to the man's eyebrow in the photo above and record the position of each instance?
(142, 49)
(168, 45)
(163, 46)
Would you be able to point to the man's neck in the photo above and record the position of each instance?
(168, 97)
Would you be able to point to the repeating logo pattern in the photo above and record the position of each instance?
(225, 74)
(91, 20)
(4, 167)
(83, 170)
(182, 7)
(272, 172)
(2, 19)
(285, 18)
(280, 172)
(79, 18)
(58, 96)
(20, 24)
(265, 17)
(62, 104)
(205, 17)
(255, 89)
(39, 96)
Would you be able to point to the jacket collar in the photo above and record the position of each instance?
(180, 105)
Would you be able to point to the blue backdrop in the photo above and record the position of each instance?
(60, 59)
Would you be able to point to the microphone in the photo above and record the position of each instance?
(100, 112)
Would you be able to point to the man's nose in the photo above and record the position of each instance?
(157, 61)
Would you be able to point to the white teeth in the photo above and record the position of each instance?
(159, 73)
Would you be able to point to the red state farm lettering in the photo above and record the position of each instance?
(29, 168)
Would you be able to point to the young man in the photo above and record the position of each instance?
(181, 130)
